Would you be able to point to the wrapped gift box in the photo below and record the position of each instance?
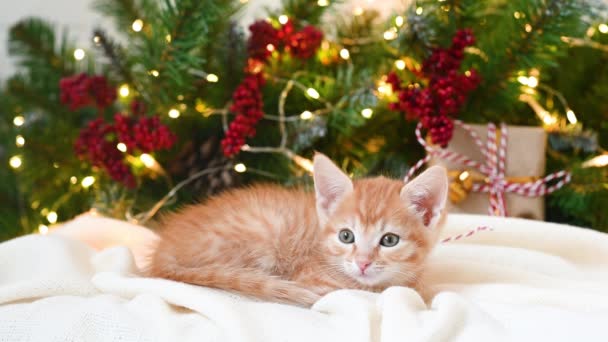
(525, 161)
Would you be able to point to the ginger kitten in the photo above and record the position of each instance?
(293, 246)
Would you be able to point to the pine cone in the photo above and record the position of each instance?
(196, 156)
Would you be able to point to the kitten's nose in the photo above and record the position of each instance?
(363, 265)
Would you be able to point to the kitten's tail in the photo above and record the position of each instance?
(246, 281)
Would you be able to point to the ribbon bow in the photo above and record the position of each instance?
(493, 169)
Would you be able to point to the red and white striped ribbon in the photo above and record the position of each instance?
(493, 168)
(466, 235)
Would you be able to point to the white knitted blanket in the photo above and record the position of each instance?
(523, 281)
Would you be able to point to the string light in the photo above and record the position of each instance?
(302, 162)
(52, 217)
(124, 90)
(599, 161)
(344, 54)
(87, 181)
(603, 28)
(283, 19)
(137, 25)
(390, 34)
(168, 38)
(306, 115)
(73, 180)
(19, 141)
(270, 47)
(212, 78)
(419, 10)
(528, 28)
(19, 120)
(313, 93)
(154, 72)
(367, 113)
(358, 11)
(121, 147)
(240, 168)
(399, 21)
(43, 229)
(517, 14)
(531, 81)
(571, 116)
(174, 113)
(15, 162)
(323, 3)
(147, 159)
(79, 54)
(400, 64)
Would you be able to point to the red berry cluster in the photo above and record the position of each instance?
(97, 143)
(447, 89)
(301, 44)
(146, 134)
(248, 105)
(82, 90)
(94, 144)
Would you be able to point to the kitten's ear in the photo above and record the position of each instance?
(426, 195)
(331, 185)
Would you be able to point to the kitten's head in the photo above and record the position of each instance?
(378, 231)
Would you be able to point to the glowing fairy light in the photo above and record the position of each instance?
(599, 161)
(304, 163)
(571, 116)
(240, 168)
(19, 141)
(51, 217)
(43, 229)
(283, 19)
(390, 34)
(212, 78)
(174, 113)
(121, 147)
(124, 90)
(399, 21)
(137, 25)
(18, 120)
(603, 28)
(79, 54)
(97, 39)
(73, 180)
(306, 115)
(323, 3)
(400, 64)
(419, 10)
(358, 11)
(270, 47)
(548, 119)
(147, 159)
(367, 113)
(532, 82)
(312, 92)
(517, 15)
(15, 162)
(528, 28)
(154, 72)
(87, 181)
(168, 38)
(523, 80)
(344, 54)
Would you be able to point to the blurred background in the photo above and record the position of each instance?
(128, 108)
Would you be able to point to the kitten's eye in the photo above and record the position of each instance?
(346, 236)
(389, 240)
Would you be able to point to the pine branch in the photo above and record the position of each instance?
(114, 53)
